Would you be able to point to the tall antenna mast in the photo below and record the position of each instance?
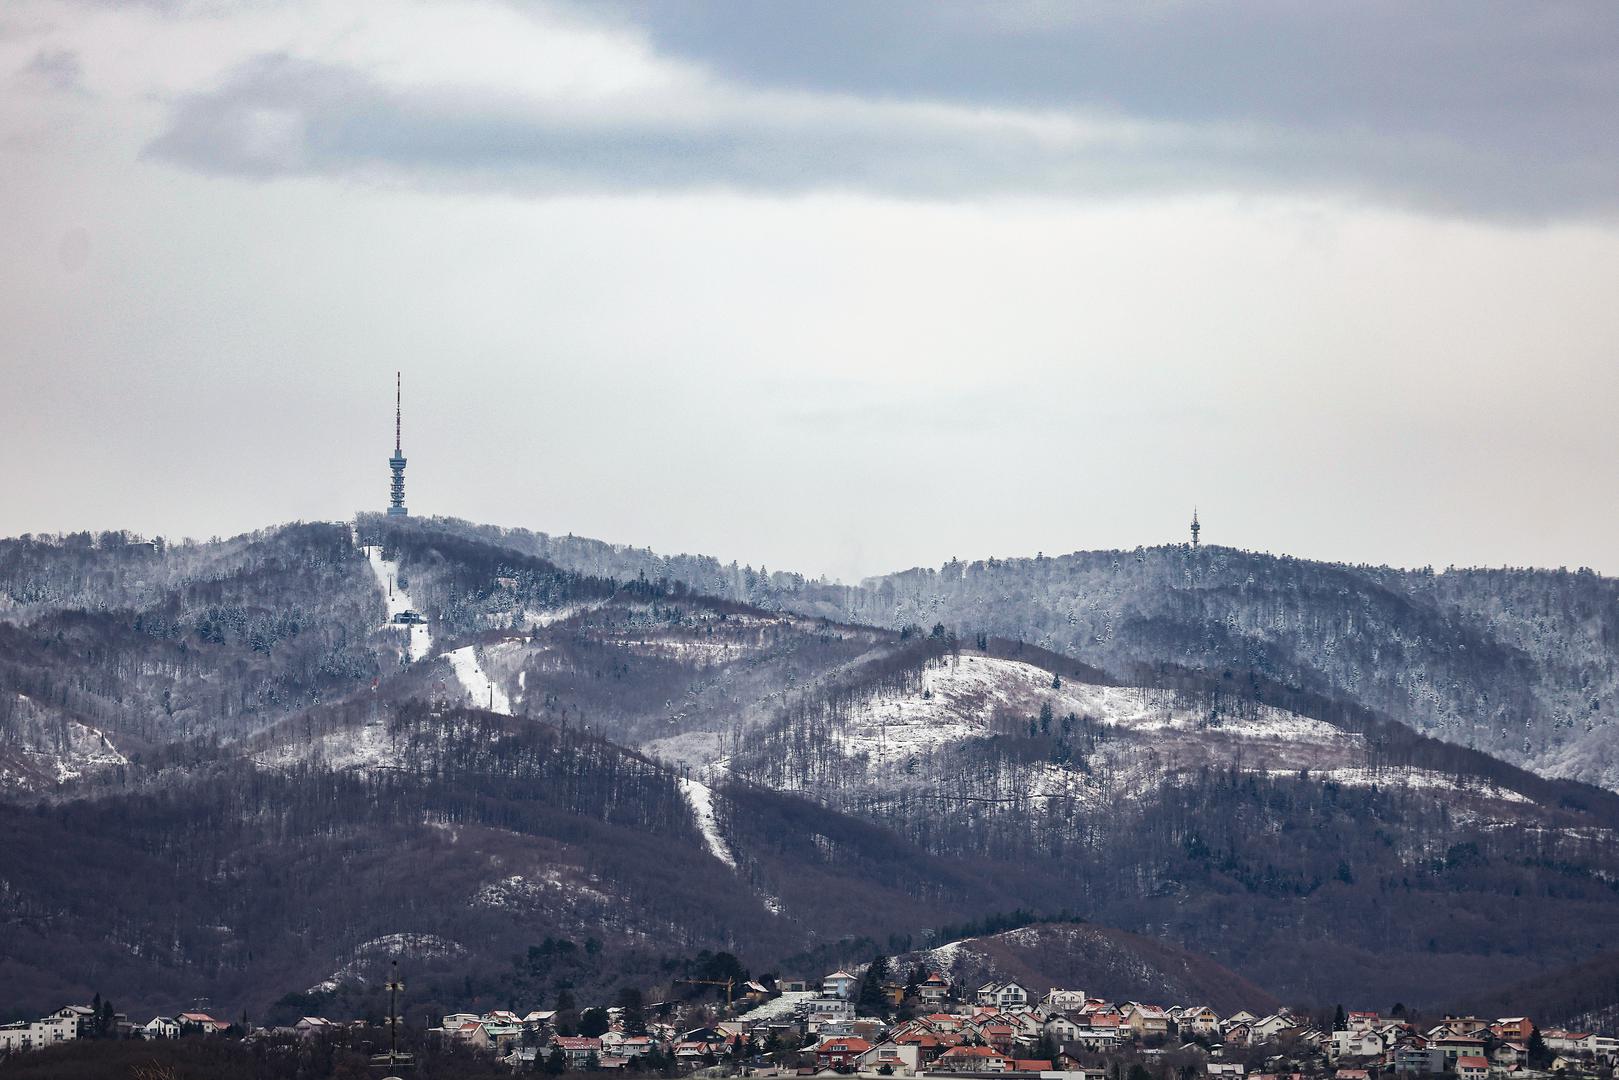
(396, 504)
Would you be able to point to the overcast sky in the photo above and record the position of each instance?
(842, 288)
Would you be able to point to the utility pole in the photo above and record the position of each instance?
(393, 1059)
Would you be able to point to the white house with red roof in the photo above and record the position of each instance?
(841, 1052)
(577, 1049)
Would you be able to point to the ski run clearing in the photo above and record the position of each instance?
(418, 642)
(701, 800)
(482, 689)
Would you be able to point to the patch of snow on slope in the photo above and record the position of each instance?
(369, 954)
(944, 957)
(484, 693)
(777, 1007)
(701, 800)
(366, 746)
(961, 698)
(417, 640)
(518, 891)
(51, 747)
(540, 619)
(1414, 779)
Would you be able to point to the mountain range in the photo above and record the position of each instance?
(228, 771)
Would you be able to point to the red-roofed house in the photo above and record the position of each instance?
(839, 1052)
(1513, 1029)
(1469, 1067)
(577, 1049)
(1362, 1021)
(200, 1022)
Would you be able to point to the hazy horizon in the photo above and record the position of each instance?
(838, 293)
(744, 560)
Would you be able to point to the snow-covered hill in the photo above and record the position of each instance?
(1096, 959)
(972, 696)
(1081, 743)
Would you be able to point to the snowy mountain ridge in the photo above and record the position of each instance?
(630, 760)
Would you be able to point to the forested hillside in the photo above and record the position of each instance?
(1521, 663)
(1103, 962)
(484, 839)
(149, 641)
(1243, 829)
(230, 774)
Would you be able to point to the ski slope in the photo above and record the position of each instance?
(418, 642)
(701, 800)
(479, 686)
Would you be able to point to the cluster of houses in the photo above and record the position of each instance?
(76, 1021)
(1001, 1029)
(1471, 1047)
(998, 1030)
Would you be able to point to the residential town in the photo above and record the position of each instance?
(851, 1023)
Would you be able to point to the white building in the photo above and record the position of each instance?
(160, 1027)
(817, 1011)
(1003, 996)
(839, 984)
(1061, 1001)
(902, 1059)
(47, 1032)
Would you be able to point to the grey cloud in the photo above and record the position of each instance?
(56, 70)
(1480, 72)
(1188, 118)
(1494, 106)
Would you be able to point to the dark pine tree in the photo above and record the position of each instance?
(871, 1000)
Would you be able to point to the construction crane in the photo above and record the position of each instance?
(729, 984)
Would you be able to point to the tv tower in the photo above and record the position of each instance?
(397, 462)
(1196, 528)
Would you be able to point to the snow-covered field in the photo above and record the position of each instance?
(483, 691)
(701, 800)
(418, 642)
(776, 1008)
